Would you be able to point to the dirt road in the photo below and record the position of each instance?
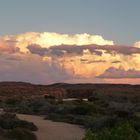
(49, 130)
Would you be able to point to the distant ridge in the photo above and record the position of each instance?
(63, 84)
(14, 83)
(65, 90)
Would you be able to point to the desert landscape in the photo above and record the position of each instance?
(69, 70)
(73, 111)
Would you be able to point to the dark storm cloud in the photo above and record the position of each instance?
(78, 50)
(113, 73)
(116, 62)
(37, 49)
(96, 61)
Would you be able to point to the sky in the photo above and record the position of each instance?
(48, 41)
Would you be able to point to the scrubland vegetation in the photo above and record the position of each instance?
(12, 128)
(106, 116)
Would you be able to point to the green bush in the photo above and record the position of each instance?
(83, 109)
(3, 138)
(89, 135)
(10, 121)
(11, 101)
(120, 132)
(21, 134)
(99, 123)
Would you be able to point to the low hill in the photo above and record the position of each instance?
(63, 90)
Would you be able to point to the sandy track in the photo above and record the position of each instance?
(49, 130)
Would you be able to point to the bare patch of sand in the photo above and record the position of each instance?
(49, 130)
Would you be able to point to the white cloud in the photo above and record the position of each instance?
(52, 57)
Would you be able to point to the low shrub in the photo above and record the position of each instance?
(123, 131)
(21, 134)
(10, 121)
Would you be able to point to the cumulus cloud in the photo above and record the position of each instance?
(90, 60)
(120, 73)
(52, 57)
(31, 69)
(137, 44)
(47, 39)
(7, 46)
